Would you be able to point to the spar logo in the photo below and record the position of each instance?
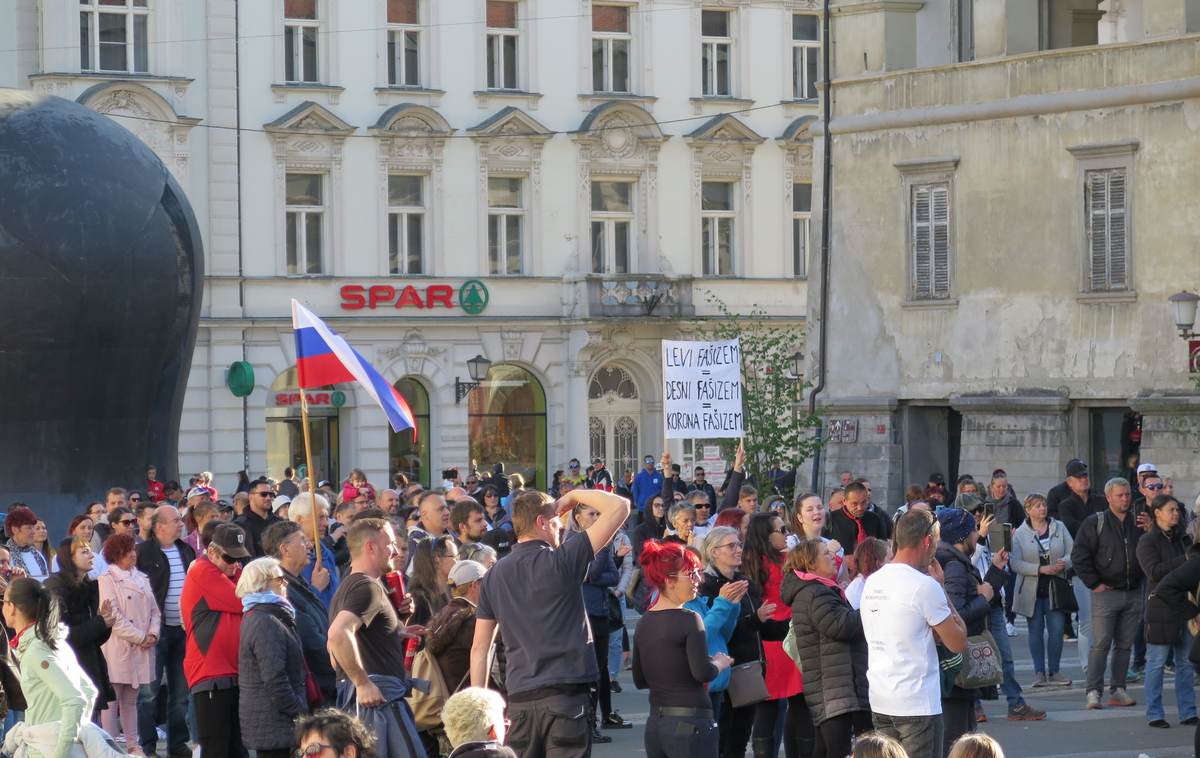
(472, 296)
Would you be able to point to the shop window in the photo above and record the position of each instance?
(285, 428)
(507, 423)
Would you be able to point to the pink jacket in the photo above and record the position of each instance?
(137, 617)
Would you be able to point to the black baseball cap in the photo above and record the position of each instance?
(231, 540)
(1076, 468)
(937, 478)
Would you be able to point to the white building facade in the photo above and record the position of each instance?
(553, 186)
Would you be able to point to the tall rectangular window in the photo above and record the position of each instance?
(801, 217)
(716, 46)
(503, 38)
(931, 241)
(304, 223)
(717, 217)
(114, 35)
(404, 43)
(611, 42)
(612, 222)
(406, 224)
(300, 28)
(806, 52)
(505, 220)
(1107, 230)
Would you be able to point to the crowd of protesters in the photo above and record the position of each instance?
(486, 619)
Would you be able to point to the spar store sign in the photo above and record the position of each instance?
(471, 296)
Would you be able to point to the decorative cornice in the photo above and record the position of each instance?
(939, 165)
(1039, 404)
(1105, 149)
(876, 406)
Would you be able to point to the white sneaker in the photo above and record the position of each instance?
(120, 738)
(1012, 630)
(162, 735)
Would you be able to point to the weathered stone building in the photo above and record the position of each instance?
(1012, 206)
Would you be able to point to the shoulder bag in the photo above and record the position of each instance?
(981, 663)
(747, 684)
(1062, 595)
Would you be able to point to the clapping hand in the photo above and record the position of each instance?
(765, 610)
(722, 661)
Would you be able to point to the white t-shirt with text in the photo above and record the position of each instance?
(899, 607)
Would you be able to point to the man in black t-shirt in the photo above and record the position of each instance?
(534, 597)
(366, 636)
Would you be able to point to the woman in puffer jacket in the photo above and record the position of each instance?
(832, 647)
(270, 662)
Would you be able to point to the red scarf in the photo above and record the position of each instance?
(17, 639)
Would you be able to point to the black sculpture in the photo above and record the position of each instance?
(101, 269)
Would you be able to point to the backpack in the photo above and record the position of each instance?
(427, 706)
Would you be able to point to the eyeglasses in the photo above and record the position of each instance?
(780, 530)
(733, 545)
(127, 521)
(697, 575)
(1154, 486)
(314, 749)
(490, 494)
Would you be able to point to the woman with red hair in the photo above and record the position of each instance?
(670, 658)
(735, 517)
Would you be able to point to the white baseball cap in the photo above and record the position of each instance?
(465, 572)
(1147, 468)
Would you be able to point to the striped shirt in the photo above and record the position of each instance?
(171, 615)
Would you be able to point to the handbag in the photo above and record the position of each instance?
(981, 663)
(1062, 595)
(747, 684)
(792, 650)
(631, 589)
(312, 690)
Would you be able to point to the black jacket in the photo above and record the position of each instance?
(745, 644)
(1108, 555)
(1174, 588)
(312, 626)
(962, 586)
(1160, 553)
(271, 678)
(153, 563)
(1073, 510)
(732, 489)
(841, 527)
(833, 648)
(482, 750)
(254, 525)
(884, 519)
(708, 490)
(1054, 498)
(86, 630)
(647, 530)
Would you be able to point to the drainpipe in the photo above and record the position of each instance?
(826, 211)
(237, 93)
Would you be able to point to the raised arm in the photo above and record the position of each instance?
(614, 509)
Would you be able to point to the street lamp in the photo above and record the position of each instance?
(1184, 304)
(798, 365)
(478, 369)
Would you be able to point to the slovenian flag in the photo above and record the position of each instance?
(324, 358)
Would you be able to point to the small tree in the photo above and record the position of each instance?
(774, 429)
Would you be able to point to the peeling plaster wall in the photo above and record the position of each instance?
(1016, 323)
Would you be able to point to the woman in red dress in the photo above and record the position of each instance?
(762, 562)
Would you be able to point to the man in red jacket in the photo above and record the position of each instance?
(212, 617)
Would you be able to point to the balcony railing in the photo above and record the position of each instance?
(638, 295)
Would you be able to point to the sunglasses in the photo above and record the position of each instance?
(780, 530)
(127, 521)
(1154, 486)
(268, 494)
(314, 749)
(574, 465)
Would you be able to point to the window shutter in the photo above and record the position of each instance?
(940, 201)
(1106, 203)
(922, 233)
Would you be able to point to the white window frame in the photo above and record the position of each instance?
(502, 215)
(801, 224)
(712, 45)
(609, 220)
(293, 29)
(931, 240)
(302, 211)
(710, 222)
(401, 216)
(496, 58)
(90, 12)
(607, 38)
(800, 48)
(395, 39)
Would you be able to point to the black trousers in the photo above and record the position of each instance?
(736, 725)
(798, 731)
(959, 719)
(835, 733)
(555, 726)
(217, 725)
(603, 691)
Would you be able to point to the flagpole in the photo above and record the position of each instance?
(312, 482)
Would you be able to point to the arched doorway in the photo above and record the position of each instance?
(285, 432)
(507, 423)
(410, 456)
(614, 408)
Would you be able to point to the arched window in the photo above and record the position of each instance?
(614, 409)
(408, 456)
(507, 421)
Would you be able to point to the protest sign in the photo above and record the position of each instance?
(702, 389)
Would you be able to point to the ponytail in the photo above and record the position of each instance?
(37, 603)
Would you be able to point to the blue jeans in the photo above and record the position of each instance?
(679, 737)
(615, 646)
(1044, 619)
(1185, 695)
(1010, 686)
(168, 657)
(1083, 596)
